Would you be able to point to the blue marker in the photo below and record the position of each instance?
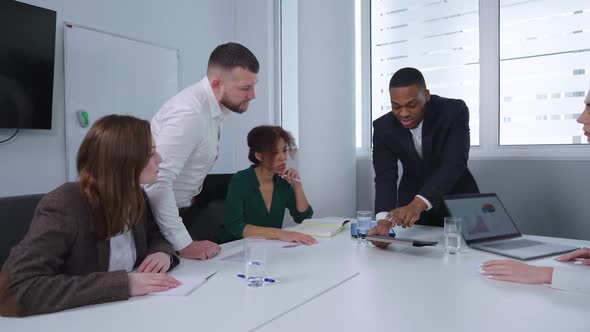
(391, 232)
(265, 279)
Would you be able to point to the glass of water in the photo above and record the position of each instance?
(363, 224)
(452, 233)
(255, 253)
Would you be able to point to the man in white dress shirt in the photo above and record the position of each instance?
(186, 131)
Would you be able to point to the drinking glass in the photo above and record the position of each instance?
(363, 221)
(452, 233)
(255, 253)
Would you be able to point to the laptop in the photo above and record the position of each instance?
(487, 226)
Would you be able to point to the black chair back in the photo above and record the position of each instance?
(16, 213)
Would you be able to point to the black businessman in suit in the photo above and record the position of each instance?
(430, 136)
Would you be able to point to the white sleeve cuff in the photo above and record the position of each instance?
(381, 216)
(428, 205)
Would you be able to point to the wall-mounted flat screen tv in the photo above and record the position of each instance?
(27, 56)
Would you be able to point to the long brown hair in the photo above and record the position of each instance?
(110, 160)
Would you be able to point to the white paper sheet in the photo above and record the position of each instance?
(190, 282)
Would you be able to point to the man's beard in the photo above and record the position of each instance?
(232, 107)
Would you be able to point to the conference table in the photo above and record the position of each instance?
(339, 285)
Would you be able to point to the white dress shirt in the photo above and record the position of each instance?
(571, 279)
(186, 133)
(123, 253)
(417, 138)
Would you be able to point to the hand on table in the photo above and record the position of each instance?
(289, 236)
(509, 270)
(158, 262)
(581, 255)
(200, 250)
(381, 229)
(145, 283)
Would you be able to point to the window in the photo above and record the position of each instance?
(544, 70)
(440, 38)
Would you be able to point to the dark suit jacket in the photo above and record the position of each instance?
(443, 168)
(60, 264)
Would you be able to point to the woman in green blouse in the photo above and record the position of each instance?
(257, 196)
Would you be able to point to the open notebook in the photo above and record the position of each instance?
(325, 227)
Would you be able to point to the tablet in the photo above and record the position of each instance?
(397, 240)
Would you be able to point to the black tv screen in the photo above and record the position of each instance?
(27, 55)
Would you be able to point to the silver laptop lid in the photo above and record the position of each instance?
(484, 217)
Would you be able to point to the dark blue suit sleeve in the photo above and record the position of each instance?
(385, 166)
(453, 164)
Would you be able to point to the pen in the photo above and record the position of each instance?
(212, 274)
(265, 279)
(287, 178)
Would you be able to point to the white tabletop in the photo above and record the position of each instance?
(424, 289)
(338, 285)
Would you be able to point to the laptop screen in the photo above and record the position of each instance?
(483, 215)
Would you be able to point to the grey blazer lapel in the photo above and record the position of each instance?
(103, 251)
(139, 236)
(103, 247)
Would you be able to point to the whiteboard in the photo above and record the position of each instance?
(111, 74)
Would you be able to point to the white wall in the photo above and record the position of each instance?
(544, 197)
(289, 68)
(326, 157)
(255, 28)
(34, 162)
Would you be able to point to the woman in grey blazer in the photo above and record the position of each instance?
(86, 237)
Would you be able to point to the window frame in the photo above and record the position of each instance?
(489, 105)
